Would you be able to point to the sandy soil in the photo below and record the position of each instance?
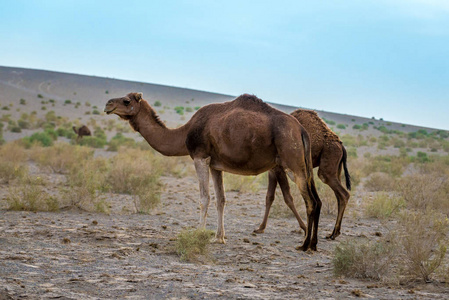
(82, 255)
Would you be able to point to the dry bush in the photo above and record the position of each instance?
(61, 157)
(244, 184)
(420, 241)
(392, 165)
(84, 180)
(382, 205)
(12, 163)
(191, 243)
(362, 259)
(414, 250)
(136, 172)
(425, 191)
(176, 166)
(30, 195)
(379, 182)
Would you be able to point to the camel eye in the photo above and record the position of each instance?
(126, 102)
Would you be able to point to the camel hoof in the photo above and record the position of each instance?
(219, 241)
(259, 231)
(302, 248)
(332, 236)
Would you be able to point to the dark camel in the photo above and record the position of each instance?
(82, 131)
(245, 136)
(329, 154)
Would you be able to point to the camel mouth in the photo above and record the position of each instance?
(110, 111)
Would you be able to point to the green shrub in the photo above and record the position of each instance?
(40, 96)
(341, 126)
(23, 124)
(23, 101)
(357, 126)
(93, 141)
(189, 109)
(95, 112)
(157, 103)
(179, 110)
(330, 122)
(120, 140)
(68, 101)
(197, 107)
(42, 138)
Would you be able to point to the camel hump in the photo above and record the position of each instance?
(314, 125)
(252, 102)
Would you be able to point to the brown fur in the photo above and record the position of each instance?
(82, 131)
(329, 154)
(245, 136)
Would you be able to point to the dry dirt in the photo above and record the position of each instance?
(82, 255)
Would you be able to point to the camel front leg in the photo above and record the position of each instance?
(202, 171)
(217, 177)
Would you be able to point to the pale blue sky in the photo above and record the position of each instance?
(387, 59)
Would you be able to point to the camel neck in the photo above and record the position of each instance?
(168, 142)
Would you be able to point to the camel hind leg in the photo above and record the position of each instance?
(274, 176)
(333, 181)
(329, 172)
(297, 159)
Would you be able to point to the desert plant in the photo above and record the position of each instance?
(119, 140)
(421, 240)
(382, 205)
(30, 195)
(157, 103)
(137, 173)
(362, 259)
(23, 101)
(378, 181)
(424, 191)
(12, 164)
(191, 243)
(61, 157)
(42, 138)
(243, 184)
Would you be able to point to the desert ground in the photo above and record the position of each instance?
(84, 238)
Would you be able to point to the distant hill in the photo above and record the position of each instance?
(37, 87)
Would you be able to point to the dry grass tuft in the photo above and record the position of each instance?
(192, 243)
(420, 240)
(61, 157)
(382, 205)
(244, 184)
(425, 191)
(136, 172)
(12, 163)
(362, 259)
(30, 195)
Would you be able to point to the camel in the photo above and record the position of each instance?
(245, 136)
(329, 154)
(82, 131)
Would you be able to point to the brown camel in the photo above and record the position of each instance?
(82, 131)
(245, 136)
(329, 154)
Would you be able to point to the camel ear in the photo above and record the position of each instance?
(138, 96)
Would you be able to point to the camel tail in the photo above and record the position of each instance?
(345, 168)
(307, 155)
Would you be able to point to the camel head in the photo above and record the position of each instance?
(125, 107)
